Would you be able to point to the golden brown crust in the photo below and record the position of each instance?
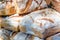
(27, 7)
(49, 38)
(39, 34)
(10, 9)
(48, 19)
(56, 5)
(12, 35)
(1, 19)
(48, 2)
(51, 31)
(23, 29)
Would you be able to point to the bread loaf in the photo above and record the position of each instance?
(41, 23)
(26, 6)
(23, 36)
(7, 8)
(11, 23)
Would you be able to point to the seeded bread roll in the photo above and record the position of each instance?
(25, 6)
(54, 37)
(4, 34)
(41, 23)
(23, 36)
(7, 8)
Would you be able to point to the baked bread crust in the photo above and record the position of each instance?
(29, 5)
(41, 23)
(23, 36)
(54, 37)
(7, 8)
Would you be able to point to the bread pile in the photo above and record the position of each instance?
(29, 20)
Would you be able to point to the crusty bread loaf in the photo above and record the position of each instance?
(26, 6)
(11, 23)
(7, 8)
(41, 23)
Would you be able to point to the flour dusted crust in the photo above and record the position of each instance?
(41, 23)
(29, 5)
(54, 37)
(4, 34)
(11, 22)
(7, 8)
(23, 36)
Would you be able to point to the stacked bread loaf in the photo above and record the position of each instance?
(29, 20)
